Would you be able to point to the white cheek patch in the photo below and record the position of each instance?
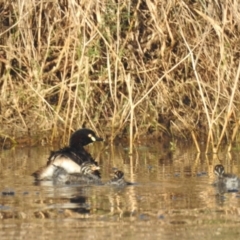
(92, 137)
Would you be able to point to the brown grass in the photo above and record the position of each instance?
(141, 68)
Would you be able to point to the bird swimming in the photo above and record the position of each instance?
(70, 159)
(226, 182)
(118, 179)
(85, 176)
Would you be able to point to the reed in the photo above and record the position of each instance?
(131, 68)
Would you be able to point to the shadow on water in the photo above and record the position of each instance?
(173, 197)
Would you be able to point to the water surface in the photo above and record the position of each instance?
(173, 197)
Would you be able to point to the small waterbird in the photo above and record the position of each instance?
(71, 158)
(227, 182)
(118, 179)
(85, 176)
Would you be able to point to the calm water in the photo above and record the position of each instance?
(173, 197)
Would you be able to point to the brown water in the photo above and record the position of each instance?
(173, 197)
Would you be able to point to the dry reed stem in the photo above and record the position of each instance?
(230, 106)
(66, 65)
